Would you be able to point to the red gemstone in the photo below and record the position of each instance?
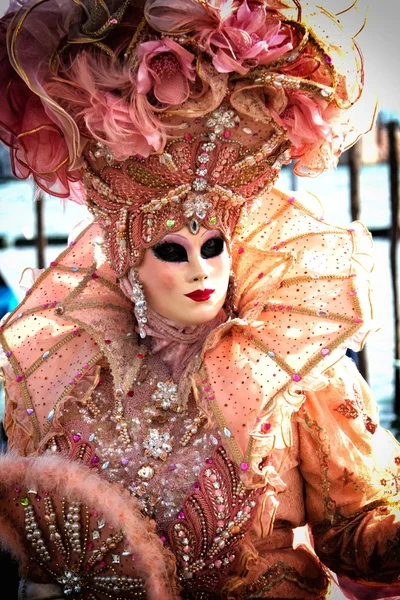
(209, 461)
(140, 355)
(107, 341)
(90, 546)
(102, 564)
(265, 427)
(130, 393)
(95, 459)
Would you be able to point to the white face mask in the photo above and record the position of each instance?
(185, 277)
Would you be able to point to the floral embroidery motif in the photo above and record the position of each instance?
(351, 409)
(348, 409)
(165, 396)
(158, 444)
(369, 424)
(347, 477)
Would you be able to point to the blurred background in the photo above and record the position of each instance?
(365, 186)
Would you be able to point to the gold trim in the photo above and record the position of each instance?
(91, 362)
(51, 351)
(18, 372)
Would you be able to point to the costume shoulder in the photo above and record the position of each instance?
(303, 297)
(74, 315)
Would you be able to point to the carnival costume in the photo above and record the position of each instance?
(148, 459)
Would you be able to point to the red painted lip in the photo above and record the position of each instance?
(200, 295)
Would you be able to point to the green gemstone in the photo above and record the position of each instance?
(170, 222)
(25, 501)
(213, 220)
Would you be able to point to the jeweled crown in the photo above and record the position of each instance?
(212, 176)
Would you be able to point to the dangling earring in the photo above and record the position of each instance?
(139, 300)
(231, 295)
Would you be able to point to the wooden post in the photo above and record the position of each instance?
(40, 237)
(392, 128)
(355, 161)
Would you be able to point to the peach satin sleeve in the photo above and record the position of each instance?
(351, 469)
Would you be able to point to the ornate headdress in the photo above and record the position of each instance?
(181, 114)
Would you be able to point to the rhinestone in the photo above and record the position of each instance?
(199, 185)
(227, 433)
(170, 222)
(146, 472)
(116, 559)
(194, 226)
(213, 220)
(95, 534)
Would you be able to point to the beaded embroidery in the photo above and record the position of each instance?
(86, 564)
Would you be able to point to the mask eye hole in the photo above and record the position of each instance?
(212, 247)
(170, 252)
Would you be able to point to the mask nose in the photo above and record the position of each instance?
(200, 277)
(199, 272)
